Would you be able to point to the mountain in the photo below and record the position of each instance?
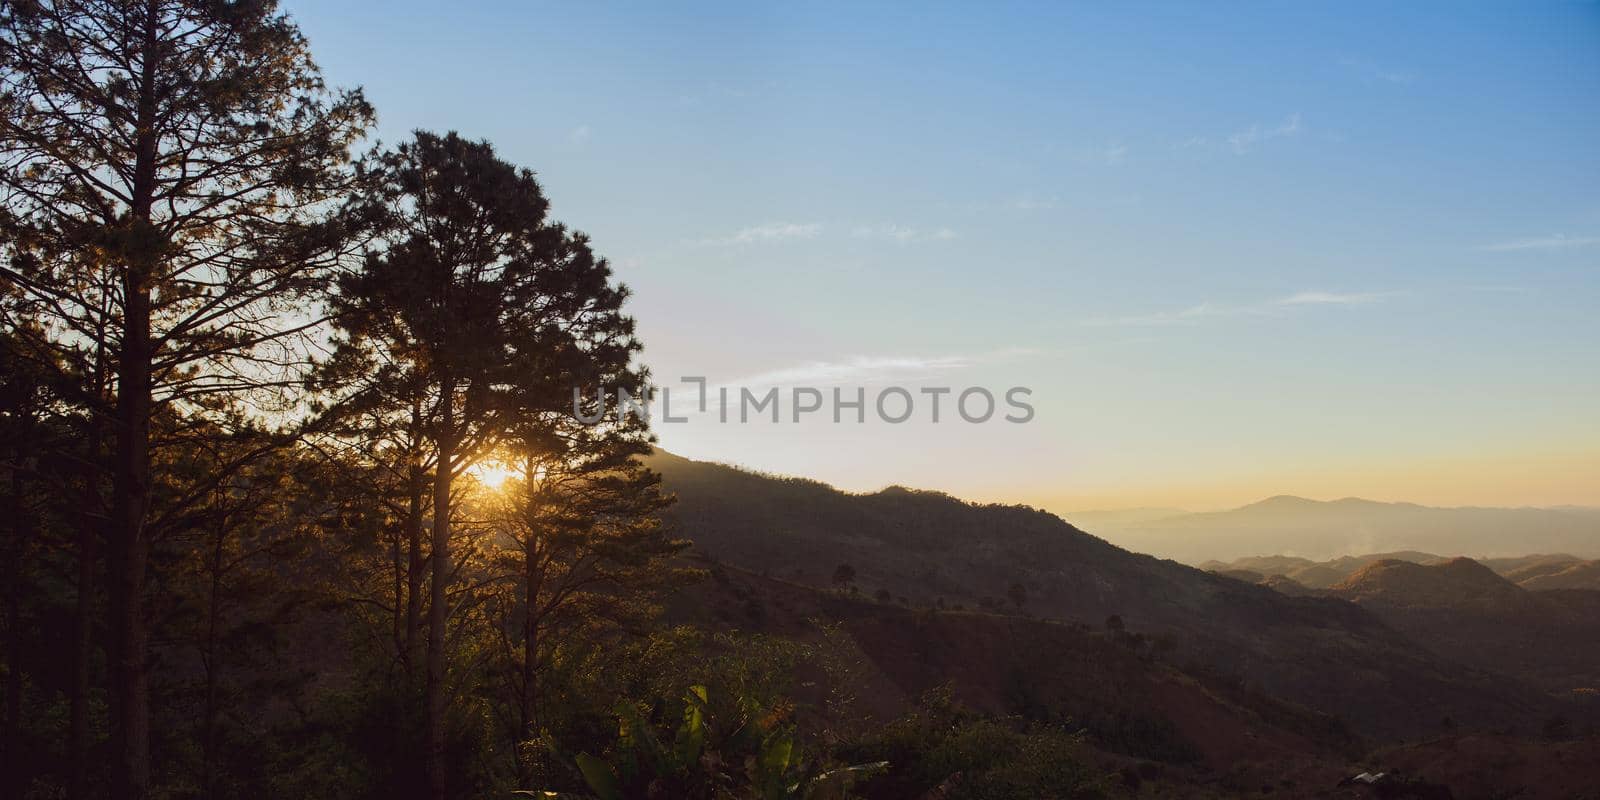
(1464, 611)
(1132, 702)
(935, 550)
(1319, 530)
(1544, 571)
(1456, 583)
(1312, 574)
(1570, 573)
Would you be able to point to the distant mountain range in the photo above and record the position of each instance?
(1320, 530)
(929, 550)
(1535, 617)
(1536, 572)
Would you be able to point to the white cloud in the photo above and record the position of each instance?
(902, 234)
(1197, 313)
(1116, 153)
(1243, 141)
(862, 369)
(771, 232)
(579, 134)
(1185, 316)
(1557, 242)
(856, 369)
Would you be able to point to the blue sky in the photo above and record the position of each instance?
(1322, 249)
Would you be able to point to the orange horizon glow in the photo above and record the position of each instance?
(1545, 479)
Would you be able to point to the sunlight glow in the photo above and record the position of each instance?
(493, 475)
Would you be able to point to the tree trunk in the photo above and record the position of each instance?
(82, 647)
(130, 485)
(415, 486)
(130, 490)
(438, 606)
(208, 734)
(21, 534)
(529, 716)
(83, 612)
(397, 575)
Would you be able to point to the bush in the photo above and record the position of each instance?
(970, 757)
(711, 745)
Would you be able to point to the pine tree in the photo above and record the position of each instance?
(488, 310)
(592, 552)
(184, 150)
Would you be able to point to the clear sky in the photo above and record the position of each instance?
(1234, 250)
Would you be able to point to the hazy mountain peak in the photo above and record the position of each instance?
(1454, 582)
(1282, 501)
(1319, 530)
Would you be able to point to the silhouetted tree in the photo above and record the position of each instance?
(489, 311)
(1017, 594)
(28, 434)
(184, 149)
(378, 436)
(591, 549)
(844, 575)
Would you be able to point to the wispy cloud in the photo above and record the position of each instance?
(771, 232)
(856, 369)
(1115, 153)
(1184, 316)
(1242, 141)
(903, 234)
(1557, 242)
(1377, 72)
(865, 369)
(1204, 311)
(580, 134)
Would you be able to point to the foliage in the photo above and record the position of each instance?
(966, 756)
(719, 745)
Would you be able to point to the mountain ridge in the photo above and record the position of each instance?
(1324, 529)
(935, 550)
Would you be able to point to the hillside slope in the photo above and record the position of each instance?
(932, 549)
(1114, 685)
(1559, 575)
(1464, 611)
(1458, 583)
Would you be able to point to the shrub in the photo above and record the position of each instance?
(971, 757)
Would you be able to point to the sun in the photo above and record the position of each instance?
(493, 475)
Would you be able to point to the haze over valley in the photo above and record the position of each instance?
(1320, 530)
